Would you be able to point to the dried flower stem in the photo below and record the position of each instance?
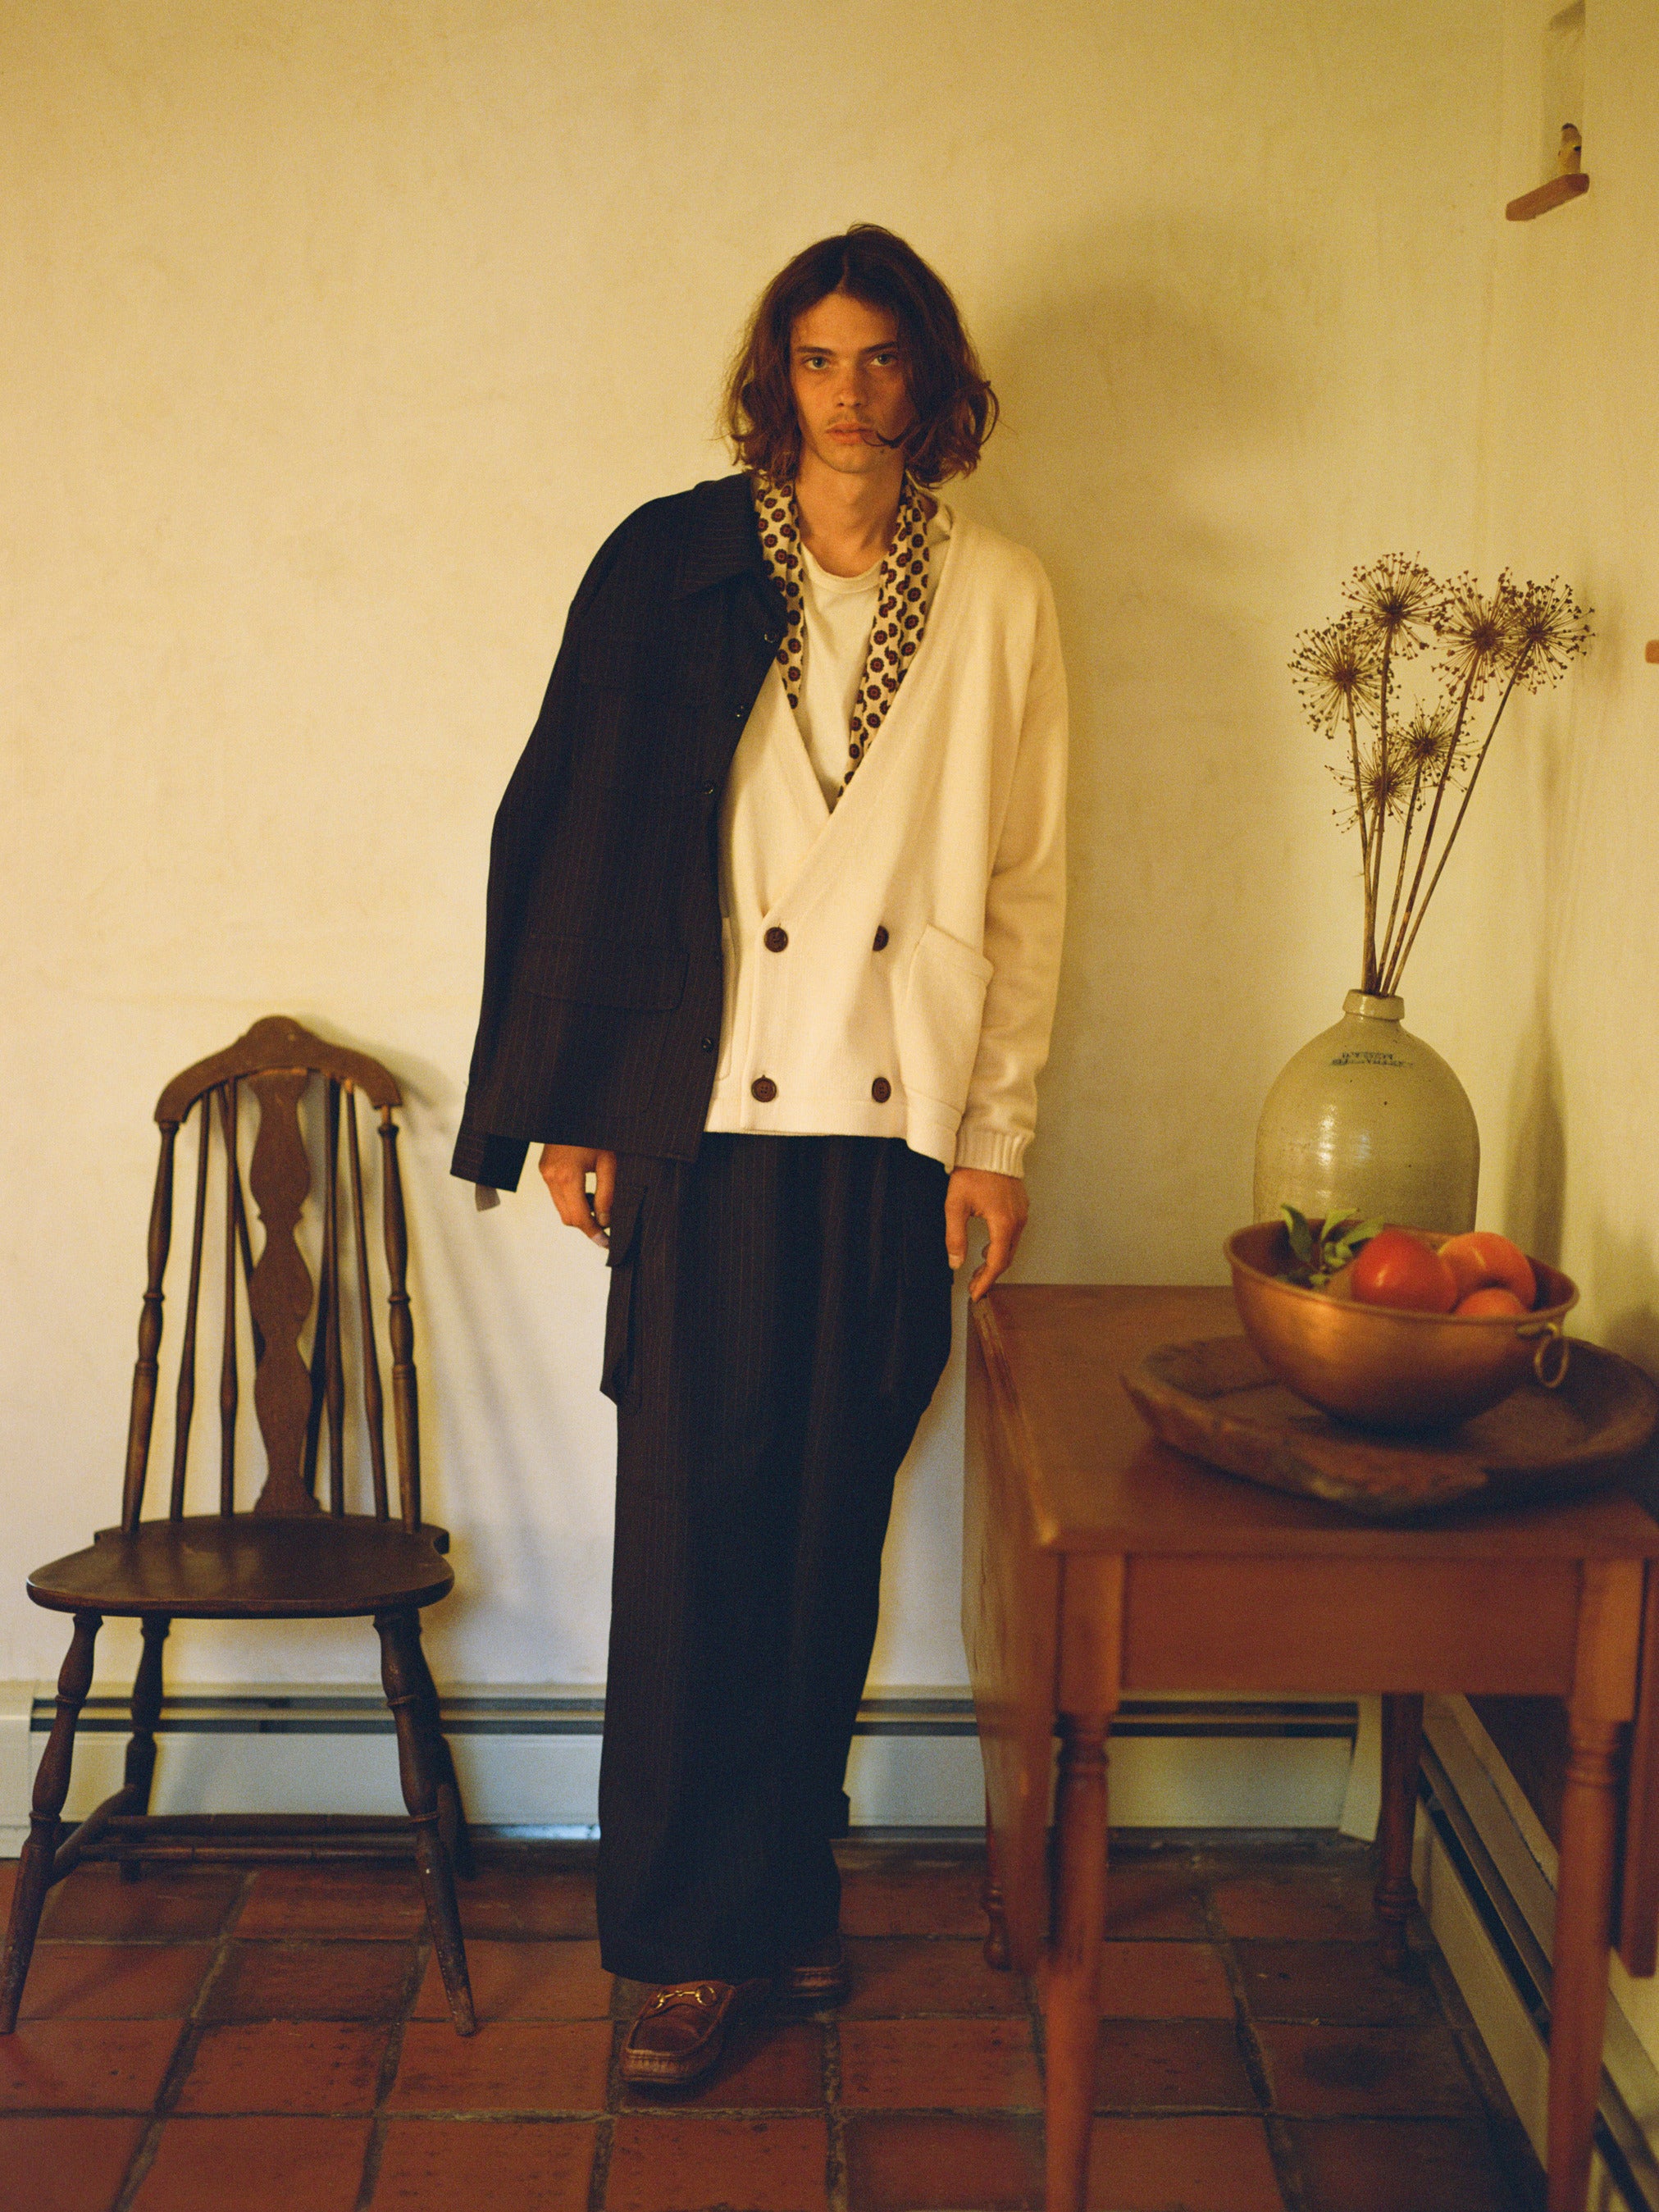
(1404, 952)
(1393, 963)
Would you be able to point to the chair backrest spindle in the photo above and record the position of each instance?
(185, 1401)
(401, 1329)
(143, 1414)
(374, 1404)
(334, 1372)
(229, 1388)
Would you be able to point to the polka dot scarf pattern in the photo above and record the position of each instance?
(901, 607)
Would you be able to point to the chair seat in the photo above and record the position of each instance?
(315, 1566)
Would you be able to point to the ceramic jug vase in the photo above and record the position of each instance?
(1370, 1116)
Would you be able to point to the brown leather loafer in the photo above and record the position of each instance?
(819, 1978)
(680, 2032)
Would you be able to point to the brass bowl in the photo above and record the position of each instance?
(1382, 1368)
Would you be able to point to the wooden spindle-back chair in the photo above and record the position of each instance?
(288, 1553)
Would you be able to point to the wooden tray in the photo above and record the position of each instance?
(1215, 1400)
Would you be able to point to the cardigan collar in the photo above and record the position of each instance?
(722, 538)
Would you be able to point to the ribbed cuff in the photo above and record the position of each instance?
(1002, 1150)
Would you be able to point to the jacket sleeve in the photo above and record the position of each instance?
(1025, 921)
(482, 1155)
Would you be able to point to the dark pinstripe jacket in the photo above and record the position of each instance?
(602, 986)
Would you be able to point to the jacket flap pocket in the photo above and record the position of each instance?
(938, 945)
(605, 971)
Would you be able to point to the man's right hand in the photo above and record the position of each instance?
(565, 1169)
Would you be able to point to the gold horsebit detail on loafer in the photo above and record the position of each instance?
(699, 1993)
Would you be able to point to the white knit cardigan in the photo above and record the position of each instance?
(949, 846)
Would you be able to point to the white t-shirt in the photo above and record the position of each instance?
(838, 613)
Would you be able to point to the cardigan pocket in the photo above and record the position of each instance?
(938, 1032)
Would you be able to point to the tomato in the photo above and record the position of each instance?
(1483, 1257)
(1397, 1268)
(1489, 1303)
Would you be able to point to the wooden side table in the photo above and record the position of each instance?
(1097, 1561)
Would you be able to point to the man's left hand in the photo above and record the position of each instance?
(999, 1201)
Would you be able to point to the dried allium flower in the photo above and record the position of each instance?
(1475, 631)
(1397, 598)
(1426, 740)
(1335, 667)
(1385, 778)
(1547, 630)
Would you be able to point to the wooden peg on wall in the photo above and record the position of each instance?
(1653, 648)
(1567, 185)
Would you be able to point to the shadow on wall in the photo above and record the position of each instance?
(1536, 1180)
(1128, 418)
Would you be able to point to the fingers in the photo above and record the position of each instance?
(998, 1257)
(604, 1186)
(565, 1169)
(957, 1208)
(998, 1253)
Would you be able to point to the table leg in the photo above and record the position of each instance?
(1396, 1894)
(990, 1896)
(1583, 1922)
(1603, 1699)
(1072, 2005)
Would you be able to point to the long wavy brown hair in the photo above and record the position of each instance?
(956, 410)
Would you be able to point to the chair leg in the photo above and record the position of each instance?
(51, 1782)
(451, 1809)
(409, 1692)
(140, 1772)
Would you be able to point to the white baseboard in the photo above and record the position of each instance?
(1486, 1875)
(528, 1757)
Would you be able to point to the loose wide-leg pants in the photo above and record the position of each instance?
(779, 1315)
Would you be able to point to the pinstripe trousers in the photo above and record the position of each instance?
(779, 1317)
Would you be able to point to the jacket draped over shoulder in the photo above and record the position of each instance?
(602, 954)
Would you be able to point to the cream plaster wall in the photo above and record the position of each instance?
(1548, 945)
(336, 338)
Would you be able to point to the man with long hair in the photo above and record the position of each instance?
(774, 912)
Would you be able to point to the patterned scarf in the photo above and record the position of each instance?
(900, 606)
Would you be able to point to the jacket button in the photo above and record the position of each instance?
(708, 1044)
(776, 938)
(764, 1088)
(881, 1090)
(741, 713)
(707, 790)
(881, 941)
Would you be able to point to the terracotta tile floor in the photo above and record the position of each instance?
(214, 2041)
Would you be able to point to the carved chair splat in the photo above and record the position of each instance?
(286, 1556)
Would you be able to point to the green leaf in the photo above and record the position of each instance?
(1302, 1237)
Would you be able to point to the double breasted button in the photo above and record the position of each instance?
(776, 938)
(881, 940)
(708, 1044)
(881, 1090)
(707, 790)
(764, 1088)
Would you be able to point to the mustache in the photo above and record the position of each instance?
(872, 436)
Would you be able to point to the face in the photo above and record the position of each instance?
(847, 373)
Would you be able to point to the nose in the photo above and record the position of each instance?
(853, 385)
